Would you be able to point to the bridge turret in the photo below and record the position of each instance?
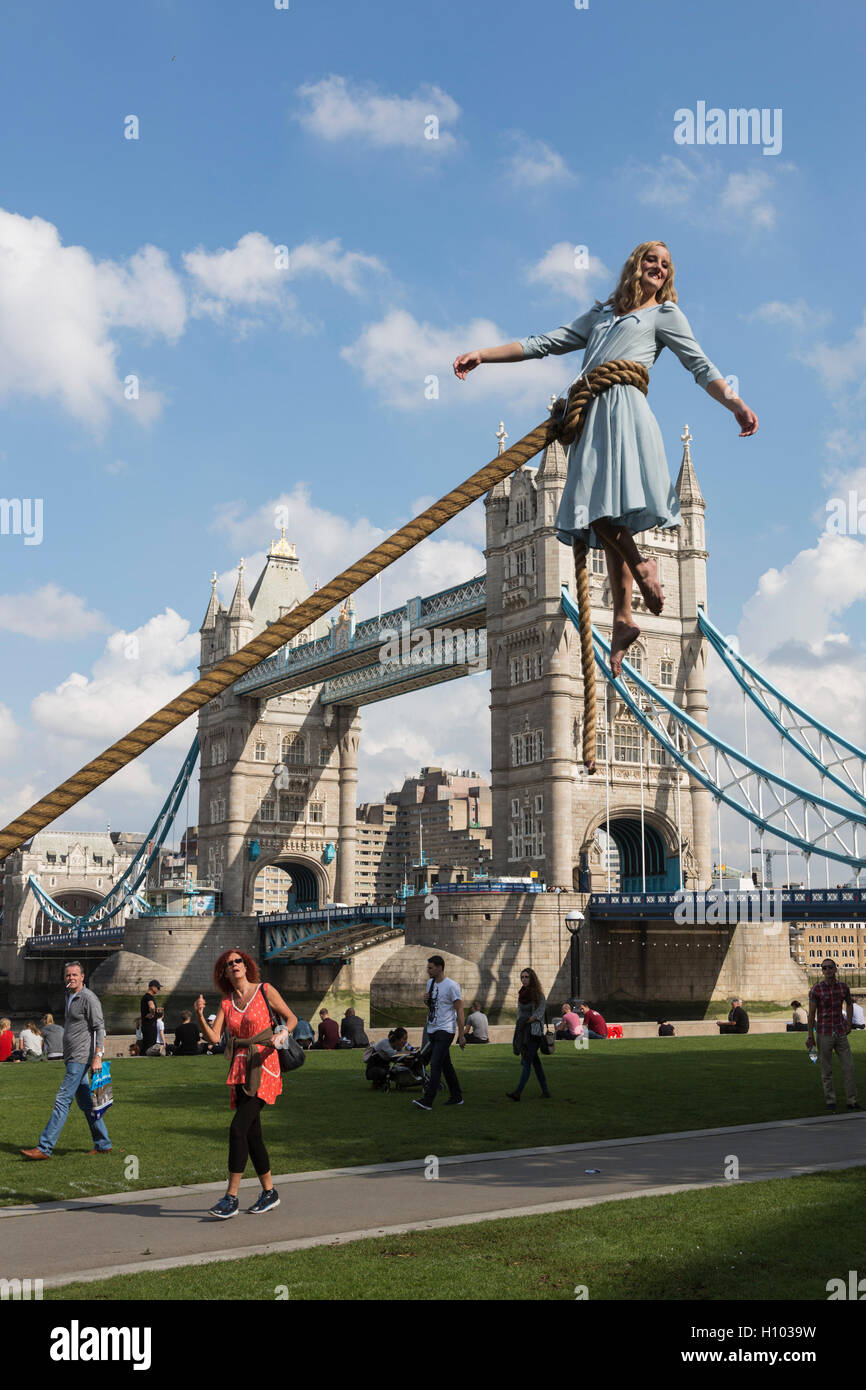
(692, 559)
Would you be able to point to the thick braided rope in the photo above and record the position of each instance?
(587, 656)
(585, 389)
(227, 671)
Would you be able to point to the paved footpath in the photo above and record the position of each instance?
(124, 1233)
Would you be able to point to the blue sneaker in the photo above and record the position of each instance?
(226, 1206)
(267, 1201)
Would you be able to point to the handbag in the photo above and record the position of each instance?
(548, 1043)
(101, 1094)
(291, 1055)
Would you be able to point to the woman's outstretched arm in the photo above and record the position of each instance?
(746, 418)
(468, 361)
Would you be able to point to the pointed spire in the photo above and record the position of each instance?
(554, 460)
(688, 489)
(212, 608)
(240, 610)
(499, 492)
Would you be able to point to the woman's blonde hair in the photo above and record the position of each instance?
(4, 1024)
(628, 293)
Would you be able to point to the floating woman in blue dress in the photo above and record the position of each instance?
(618, 482)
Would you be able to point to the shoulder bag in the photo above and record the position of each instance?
(291, 1054)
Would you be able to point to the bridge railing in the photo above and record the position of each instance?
(76, 940)
(730, 905)
(452, 603)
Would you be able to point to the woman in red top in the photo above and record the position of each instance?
(254, 1073)
(7, 1038)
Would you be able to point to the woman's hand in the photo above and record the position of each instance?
(199, 1005)
(467, 362)
(746, 419)
(281, 1037)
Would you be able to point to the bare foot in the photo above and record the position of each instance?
(621, 639)
(647, 579)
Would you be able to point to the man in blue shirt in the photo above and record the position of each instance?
(83, 1040)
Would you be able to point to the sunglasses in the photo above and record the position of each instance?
(237, 961)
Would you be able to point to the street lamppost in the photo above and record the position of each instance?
(573, 922)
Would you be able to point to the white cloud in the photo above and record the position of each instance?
(59, 308)
(797, 314)
(256, 274)
(444, 726)
(49, 614)
(347, 269)
(9, 732)
(558, 272)
(397, 355)
(747, 197)
(327, 543)
(799, 602)
(839, 367)
(15, 798)
(670, 182)
(533, 164)
(339, 110)
(137, 673)
(705, 195)
(790, 629)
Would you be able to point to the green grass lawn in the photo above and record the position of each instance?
(172, 1114)
(779, 1240)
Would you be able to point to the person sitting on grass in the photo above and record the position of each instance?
(352, 1030)
(571, 1024)
(477, 1027)
(666, 1029)
(738, 1019)
(798, 1018)
(380, 1056)
(52, 1035)
(30, 1045)
(303, 1034)
(593, 1022)
(187, 1039)
(328, 1036)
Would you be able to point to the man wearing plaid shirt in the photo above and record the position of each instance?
(825, 1004)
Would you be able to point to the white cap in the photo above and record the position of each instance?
(211, 1018)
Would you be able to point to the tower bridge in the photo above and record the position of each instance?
(279, 748)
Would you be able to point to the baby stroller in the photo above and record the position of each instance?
(405, 1074)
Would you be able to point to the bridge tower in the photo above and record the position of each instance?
(278, 775)
(547, 816)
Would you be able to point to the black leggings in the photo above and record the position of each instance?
(245, 1135)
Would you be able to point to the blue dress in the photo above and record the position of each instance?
(618, 467)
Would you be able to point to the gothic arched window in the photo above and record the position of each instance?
(294, 748)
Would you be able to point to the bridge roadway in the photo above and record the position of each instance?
(328, 933)
(439, 638)
(92, 1238)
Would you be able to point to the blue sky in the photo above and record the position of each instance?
(304, 128)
